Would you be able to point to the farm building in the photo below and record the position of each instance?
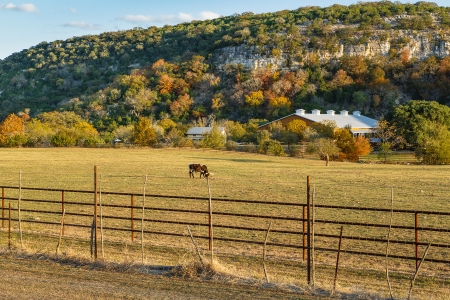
(359, 124)
(197, 133)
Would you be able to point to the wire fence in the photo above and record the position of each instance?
(239, 224)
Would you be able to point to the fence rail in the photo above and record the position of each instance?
(298, 216)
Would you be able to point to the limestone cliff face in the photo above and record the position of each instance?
(420, 46)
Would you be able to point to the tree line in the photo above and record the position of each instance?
(423, 124)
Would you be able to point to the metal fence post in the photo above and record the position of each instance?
(308, 230)
(416, 231)
(63, 211)
(95, 213)
(132, 218)
(3, 207)
(304, 232)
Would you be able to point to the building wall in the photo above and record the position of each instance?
(286, 120)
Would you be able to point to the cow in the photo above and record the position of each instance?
(198, 168)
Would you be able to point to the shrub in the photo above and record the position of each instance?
(231, 145)
(272, 147)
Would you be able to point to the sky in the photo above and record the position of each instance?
(26, 24)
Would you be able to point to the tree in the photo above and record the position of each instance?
(433, 143)
(324, 147)
(38, 134)
(213, 139)
(12, 131)
(142, 100)
(387, 135)
(411, 116)
(143, 134)
(324, 128)
(297, 127)
(345, 141)
(254, 98)
(181, 105)
(362, 147)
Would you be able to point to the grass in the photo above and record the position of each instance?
(240, 176)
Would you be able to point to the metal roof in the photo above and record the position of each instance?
(202, 130)
(355, 120)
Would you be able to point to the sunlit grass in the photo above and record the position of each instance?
(235, 176)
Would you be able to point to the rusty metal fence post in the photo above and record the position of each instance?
(308, 228)
(416, 231)
(304, 232)
(3, 207)
(132, 218)
(95, 214)
(63, 211)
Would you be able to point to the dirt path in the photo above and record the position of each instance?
(35, 279)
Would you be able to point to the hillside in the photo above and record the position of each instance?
(368, 57)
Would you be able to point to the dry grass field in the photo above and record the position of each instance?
(237, 175)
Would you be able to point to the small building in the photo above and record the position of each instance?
(197, 133)
(359, 124)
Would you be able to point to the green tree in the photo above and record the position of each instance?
(433, 143)
(324, 147)
(411, 116)
(324, 128)
(143, 134)
(213, 139)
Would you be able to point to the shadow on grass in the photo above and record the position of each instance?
(245, 160)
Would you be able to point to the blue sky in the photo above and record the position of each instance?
(25, 24)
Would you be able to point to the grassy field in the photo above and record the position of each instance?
(243, 176)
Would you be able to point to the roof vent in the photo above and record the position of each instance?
(300, 111)
(344, 112)
(316, 112)
(330, 112)
(357, 113)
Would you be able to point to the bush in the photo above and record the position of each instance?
(272, 147)
(231, 145)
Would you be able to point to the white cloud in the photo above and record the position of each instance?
(83, 25)
(73, 10)
(180, 18)
(28, 7)
(208, 15)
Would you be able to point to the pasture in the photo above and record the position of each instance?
(236, 175)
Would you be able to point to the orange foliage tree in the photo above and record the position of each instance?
(12, 131)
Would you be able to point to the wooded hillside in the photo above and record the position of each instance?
(114, 78)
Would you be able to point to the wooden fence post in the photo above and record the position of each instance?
(337, 261)
(416, 225)
(308, 229)
(95, 214)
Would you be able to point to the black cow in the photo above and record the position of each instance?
(198, 168)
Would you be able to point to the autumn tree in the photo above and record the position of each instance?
(143, 134)
(181, 105)
(297, 127)
(12, 131)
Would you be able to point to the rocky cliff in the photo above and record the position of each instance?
(419, 44)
